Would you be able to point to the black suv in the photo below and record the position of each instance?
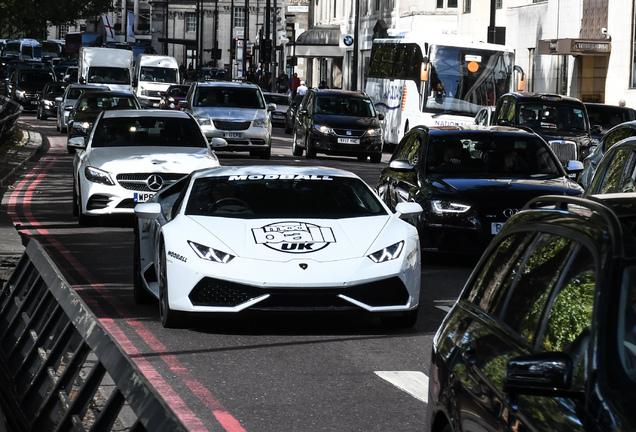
(543, 336)
(25, 86)
(562, 121)
(338, 122)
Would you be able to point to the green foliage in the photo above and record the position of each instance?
(29, 18)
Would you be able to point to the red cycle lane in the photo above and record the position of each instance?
(27, 193)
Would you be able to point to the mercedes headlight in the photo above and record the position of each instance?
(209, 254)
(388, 253)
(97, 175)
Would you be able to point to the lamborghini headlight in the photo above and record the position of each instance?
(207, 253)
(388, 253)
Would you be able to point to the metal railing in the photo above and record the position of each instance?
(60, 369)
(9, 113)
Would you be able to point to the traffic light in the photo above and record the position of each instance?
(266, 50)
(290, 28)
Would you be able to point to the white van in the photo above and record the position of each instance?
(106, 66)
(153, 75)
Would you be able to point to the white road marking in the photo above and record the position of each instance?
(444, 308)
(414, 383)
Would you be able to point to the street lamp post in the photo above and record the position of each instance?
(356, 46)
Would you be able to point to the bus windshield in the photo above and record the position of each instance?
(462, 80)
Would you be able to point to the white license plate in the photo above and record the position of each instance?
(34, 102)
(143, 197)
(348, 141)
(232, 135)
(495, 227)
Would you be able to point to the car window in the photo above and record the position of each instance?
(277, 99)
(616, 135)
(539, 273)
(627, 322)
(491, 283)
(552, 116)
(619, 175)
(409, 148)
(489, 154)
(570, 312)
(282, 196)
(229, 97)
(148, 131)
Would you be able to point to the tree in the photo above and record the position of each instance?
(29, 18)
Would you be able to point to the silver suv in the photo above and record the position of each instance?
(234, 111)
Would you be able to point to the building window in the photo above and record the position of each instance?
(63, 30)
(239, 17)
(190, 22)
(466, 6)
(446, 4)
(499, 4)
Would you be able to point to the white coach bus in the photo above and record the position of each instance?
(416, 79)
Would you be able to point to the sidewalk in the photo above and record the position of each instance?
(13, 156)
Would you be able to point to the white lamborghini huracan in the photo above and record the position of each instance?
(276, 238)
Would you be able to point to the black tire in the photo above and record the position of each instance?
(38, 114)
(310, 153)
(376, 157)
(296, 149)
(140, 293)
(405, 320)
(288, 130)
(267, 154)
(75, 206)
(83, 219)
(169, 318)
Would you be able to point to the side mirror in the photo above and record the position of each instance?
(380, 117)
(218, 142)
(425, 69)
(543, 374)
(401, 165)
(573, 166)
(148, 210)
(521, 79)
(406, 210)
(184, 104)
(77, 143)
(597, 129)
(271, 107)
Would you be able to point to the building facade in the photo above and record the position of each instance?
(580, 48)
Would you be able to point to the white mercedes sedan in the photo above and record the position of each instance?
(131, 155)
(276, 238)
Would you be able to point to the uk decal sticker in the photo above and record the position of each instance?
(294, 237)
